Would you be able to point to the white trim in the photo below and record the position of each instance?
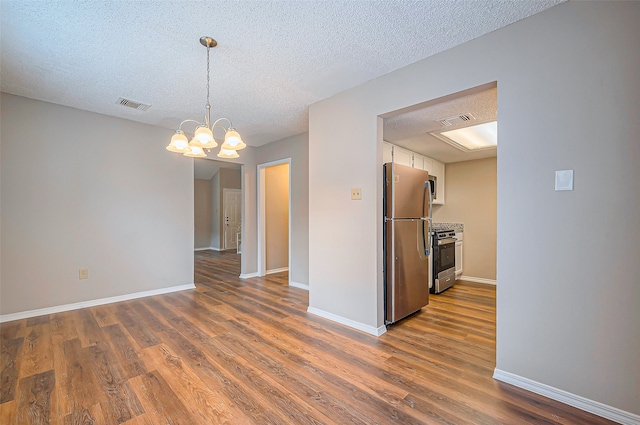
(249, 275)
(348, 322)
(565, 397)
(304, 286)
(281, 269)
(92, 303)
(212, 249)
(479, 280)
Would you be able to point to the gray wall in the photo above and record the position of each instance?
(215, 241)
(471, 198)
(568, 96)
(116, 203)
(202, 205)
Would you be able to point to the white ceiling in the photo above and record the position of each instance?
(410, 128)
(274, 58)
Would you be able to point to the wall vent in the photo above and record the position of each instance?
(133, 104)
(456, 119)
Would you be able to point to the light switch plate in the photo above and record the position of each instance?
(564, 180)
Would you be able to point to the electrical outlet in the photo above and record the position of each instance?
(83, 274)
(356, 194)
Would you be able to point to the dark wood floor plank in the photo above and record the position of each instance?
(9, 330)
(142, 335)
(9, 366)
(80, 389)
(122, 403)
(123, 348)
(34, 405)
(87, 327)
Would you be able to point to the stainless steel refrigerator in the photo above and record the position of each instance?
(407, 240)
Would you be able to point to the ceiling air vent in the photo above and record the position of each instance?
(133, 104)
(456, 119)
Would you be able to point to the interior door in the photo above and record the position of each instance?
(232, 217)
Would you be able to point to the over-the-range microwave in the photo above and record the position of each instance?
(433, 180)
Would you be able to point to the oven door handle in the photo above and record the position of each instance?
(446, 241)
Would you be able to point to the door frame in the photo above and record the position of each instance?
(262, 237)
(226, 190)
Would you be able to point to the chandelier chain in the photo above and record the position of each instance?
(208, 104)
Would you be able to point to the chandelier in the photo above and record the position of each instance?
(203, 135)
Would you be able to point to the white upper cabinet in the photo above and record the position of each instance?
(427, 164)
(402, 156)
(387, 152)
(418, 161)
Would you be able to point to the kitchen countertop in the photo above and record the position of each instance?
(458, 227)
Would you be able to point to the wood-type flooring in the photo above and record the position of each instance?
(240, 352)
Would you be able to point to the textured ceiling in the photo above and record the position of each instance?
(410, 129)
(274, 58)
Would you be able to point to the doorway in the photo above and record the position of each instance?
(274, 221)
(232, 208)
(217, 216)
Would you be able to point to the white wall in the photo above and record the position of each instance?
(568, 97)
(83, 190)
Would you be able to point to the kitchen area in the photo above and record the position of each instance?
(456, 209)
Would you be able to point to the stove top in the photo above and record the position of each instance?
(444, 234)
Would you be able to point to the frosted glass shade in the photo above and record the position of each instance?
(233, 141)
(203, 138)
(179, 143)
(195, 152)
(226, 153)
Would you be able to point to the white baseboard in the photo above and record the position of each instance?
(348, 322)
(249, 275)
(304, 286)
(565, 397)
(91, 303)
(478, 280)
(201, 249)
(280, 270)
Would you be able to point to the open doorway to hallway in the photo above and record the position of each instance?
(217, 205)
(274, 221)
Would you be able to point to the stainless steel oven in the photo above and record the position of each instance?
(444, 260)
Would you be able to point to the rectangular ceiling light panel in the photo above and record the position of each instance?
(474, 138)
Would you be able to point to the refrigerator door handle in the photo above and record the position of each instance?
(423, 252)
(427, 189)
